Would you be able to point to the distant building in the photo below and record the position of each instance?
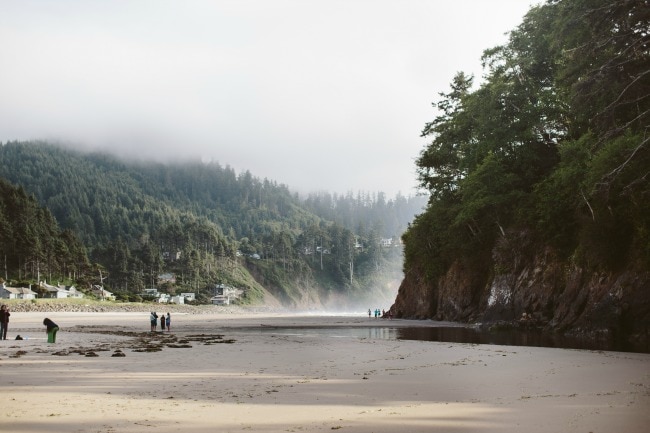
(163, 298)
(102, 293)
(167, 278)
(151, 292)
(170, 256)
(189, 296)
(16, 292)
(177, 299)
(225, 295)
(61, 291)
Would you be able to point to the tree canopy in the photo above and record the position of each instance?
(553, 141)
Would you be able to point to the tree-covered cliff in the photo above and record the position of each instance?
(540, 179)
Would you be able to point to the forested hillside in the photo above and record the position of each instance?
(209, 225)
(540, 179)
(31, 243)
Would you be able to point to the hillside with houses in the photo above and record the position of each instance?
(128, 231)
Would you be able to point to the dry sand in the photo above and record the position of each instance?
(243, 372)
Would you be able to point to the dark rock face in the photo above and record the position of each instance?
(524, 284)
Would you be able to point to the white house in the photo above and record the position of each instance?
(177, 299)
(226, 295)
(61, 291)
(16, 292)
(189, 296)
(102, 293)
(163, 298)
(151, 292)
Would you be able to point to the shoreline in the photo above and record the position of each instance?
(107, 373)
(244, 318)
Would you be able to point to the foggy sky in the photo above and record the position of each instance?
(316, 94)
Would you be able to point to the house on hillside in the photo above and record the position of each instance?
(224, 295)
(171, 256)
(61, 291)
(163, 298)
(16, 292)
(102, 293)
(167, 277)
(151, 292)
(178, 299)
(189, 296)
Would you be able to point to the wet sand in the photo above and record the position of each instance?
(235, 373)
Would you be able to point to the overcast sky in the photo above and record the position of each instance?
(327, 95)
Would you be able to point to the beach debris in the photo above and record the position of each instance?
(18, 354)
(149, 349)
(208, 339)
(118, 354)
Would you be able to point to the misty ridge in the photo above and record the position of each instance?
(219, 226)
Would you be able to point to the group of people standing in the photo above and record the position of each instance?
(50, 327)
(380, 313)
(165, 322)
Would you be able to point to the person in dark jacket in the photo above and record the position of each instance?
(4, 321)
(162, 322)
(153, 318)
(51, 329)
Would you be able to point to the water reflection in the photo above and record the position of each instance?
(513, 337)
(382, 333)
(462, 334)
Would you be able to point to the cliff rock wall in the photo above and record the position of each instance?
(533, 286)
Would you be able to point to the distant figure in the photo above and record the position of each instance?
(154, 320)
(4, 321)
(162, 322)
(169, 323)
(369, 313)
(51, 329)
(383, 314)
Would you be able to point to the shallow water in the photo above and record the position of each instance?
(462, 334)
(515, 337)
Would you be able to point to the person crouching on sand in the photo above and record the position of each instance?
(51, 329)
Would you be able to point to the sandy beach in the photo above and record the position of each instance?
(283, 373)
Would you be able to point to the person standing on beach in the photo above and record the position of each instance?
(169, 322)
(4, 321)
(162, 322)
(51, 329)
(153, 318)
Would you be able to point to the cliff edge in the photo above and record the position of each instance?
(532, 287)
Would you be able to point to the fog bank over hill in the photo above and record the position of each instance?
(319, 95)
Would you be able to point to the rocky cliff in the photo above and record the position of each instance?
(525, 285)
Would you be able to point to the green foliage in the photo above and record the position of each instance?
(32, 246)
(140, 220)
(554, 140)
